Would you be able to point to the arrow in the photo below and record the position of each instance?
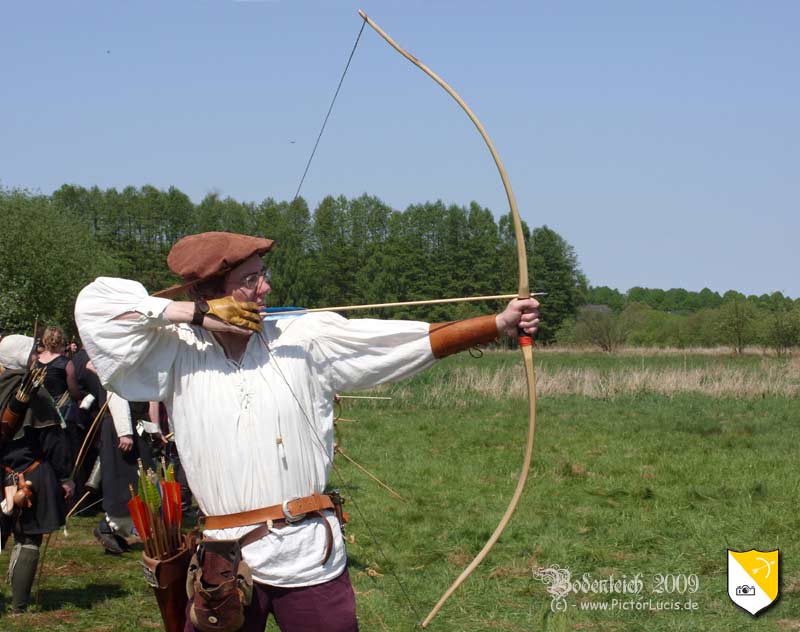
(281, 311)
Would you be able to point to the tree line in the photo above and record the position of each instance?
(731, 320)
(345, 251)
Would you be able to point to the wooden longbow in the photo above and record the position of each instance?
(525, 342)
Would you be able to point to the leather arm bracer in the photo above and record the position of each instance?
(449, 338)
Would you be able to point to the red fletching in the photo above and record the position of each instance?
(174, 491)
(167, 513)
(139, 517)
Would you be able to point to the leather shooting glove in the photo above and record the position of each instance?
(242, 314)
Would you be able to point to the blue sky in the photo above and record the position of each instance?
(661, 140)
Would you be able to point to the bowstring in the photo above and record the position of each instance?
(344, 482)
(334, 468)
(330, 109)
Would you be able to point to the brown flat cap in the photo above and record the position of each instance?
(206, 255)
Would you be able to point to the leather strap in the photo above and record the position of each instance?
(262, 530)
(199, 314)
(291, 511)
(27, 470)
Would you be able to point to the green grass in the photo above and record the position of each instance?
(638, 484)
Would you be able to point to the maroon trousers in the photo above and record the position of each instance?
(328, 607)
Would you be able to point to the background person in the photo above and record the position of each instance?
(36, 463)
(157, 412)
(15, 351)
(62, 387)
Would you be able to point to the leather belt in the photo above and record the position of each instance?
(290, 511)
(277, 516)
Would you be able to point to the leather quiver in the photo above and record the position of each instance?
(168, 579)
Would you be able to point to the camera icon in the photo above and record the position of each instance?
(745, 590)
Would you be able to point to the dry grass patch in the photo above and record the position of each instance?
(70, 569)
(768, 379)
(459, 558)
(657, 351)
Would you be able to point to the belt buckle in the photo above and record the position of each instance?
(287, 514)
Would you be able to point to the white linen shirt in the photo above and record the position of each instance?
(257, 432)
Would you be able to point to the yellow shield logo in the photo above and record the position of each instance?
(753, 578)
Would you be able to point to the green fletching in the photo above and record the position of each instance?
(148, 492)
(155, 505)
(171, 473)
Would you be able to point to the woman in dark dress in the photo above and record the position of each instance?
(34, 455)
(119, 449)
(61, 385)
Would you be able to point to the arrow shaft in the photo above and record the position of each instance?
(435, 301)
(368, 473)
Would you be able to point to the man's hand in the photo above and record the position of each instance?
(68, 487)
(125, 444)
(22, 497)
(243, 315)
(158, 439)
(522, 314)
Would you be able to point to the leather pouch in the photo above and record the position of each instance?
(219, 586)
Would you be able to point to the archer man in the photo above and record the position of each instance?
(251, 405)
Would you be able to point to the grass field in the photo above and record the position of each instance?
(649, 464)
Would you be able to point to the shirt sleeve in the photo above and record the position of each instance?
(121, 414)
(134, 357)
(363, 352)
